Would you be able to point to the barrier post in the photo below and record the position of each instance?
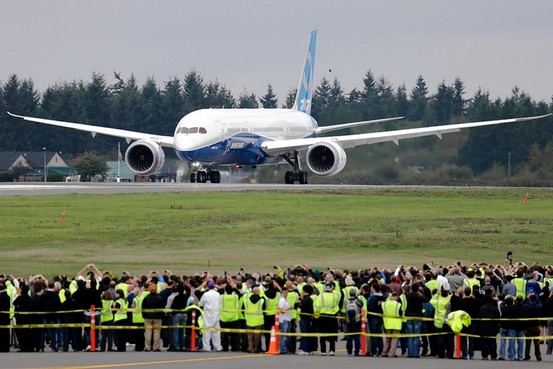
(92, 328)
(457, 346)
(193, 332)
(363, 333)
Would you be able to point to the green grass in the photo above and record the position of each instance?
(188, 232)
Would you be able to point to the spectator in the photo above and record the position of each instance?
(489, 327)
(152, 314)
(4, 318)
(24, 304)
(516, 326)
(307, 315)
(210, 303)
(253, 307)
(533, 310)
(353, 322)
(392, 324)
(284, 320)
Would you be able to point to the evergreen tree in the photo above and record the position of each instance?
(418, 100)
(269, 100)
(458, 102)
(247, 100)
(290, 98)
(402, 105)
(442, 104)
(217, 96)
(194, 91)
(172, 106)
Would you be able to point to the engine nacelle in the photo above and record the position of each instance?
(145, 157)
(326, 158)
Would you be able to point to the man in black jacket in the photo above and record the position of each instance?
(533, 310)
(489, 327)
(4, 318)
(152, 319)
(516, 328)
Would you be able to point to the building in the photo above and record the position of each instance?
(25, 166)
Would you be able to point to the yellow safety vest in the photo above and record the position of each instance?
(392, 316)
(346, 291)
(520, 285)
(292, 298)
(272, 304)
(327, 303)
(137, 311)
(253, 313)
(123, 287)
(229, 307)
(107, 313)
(440, 309)
(121, 313)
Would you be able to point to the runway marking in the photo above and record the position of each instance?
(161, 362)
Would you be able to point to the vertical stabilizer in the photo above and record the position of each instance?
(305, 87)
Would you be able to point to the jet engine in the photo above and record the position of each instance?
(326, 158)
(145, 157)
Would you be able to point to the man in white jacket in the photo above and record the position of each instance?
(210, 302)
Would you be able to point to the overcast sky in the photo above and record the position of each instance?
(492, 44)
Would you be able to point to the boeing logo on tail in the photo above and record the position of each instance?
(209, 138)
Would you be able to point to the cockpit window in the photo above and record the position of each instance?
(192, 130)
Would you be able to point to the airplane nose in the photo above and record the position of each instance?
(185, 143)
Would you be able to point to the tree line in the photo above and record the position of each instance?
(156, 109)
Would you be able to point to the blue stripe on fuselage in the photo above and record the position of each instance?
(240, 149)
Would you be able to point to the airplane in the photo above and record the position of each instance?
(208, 138)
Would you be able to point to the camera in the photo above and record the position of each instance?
(510, 257)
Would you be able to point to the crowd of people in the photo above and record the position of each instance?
(408, 311)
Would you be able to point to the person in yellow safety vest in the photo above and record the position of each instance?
(471, 280)
(293, 297)
(106, 317)
(272, 295)
(520, 284)
(120, 319)
(327, 306)
(230, 314)
(254, 305)
(137, 319)
(122, 285)
(442, 305)
(393, 314)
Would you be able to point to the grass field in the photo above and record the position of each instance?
(189, 232)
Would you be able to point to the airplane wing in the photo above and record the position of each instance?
(167, 141)
(337, 127)
(349, 141)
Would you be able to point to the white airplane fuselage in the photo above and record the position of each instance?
(234, 136)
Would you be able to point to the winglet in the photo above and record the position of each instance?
(305, 86)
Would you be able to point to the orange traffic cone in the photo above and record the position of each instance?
(273, 346)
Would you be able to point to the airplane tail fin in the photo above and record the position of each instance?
(305, 87)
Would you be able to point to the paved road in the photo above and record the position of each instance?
(174, 360)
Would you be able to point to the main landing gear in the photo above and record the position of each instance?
(297, 174)
(202, 176)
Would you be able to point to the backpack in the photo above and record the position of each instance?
(353, 311)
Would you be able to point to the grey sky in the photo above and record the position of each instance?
(492, 44)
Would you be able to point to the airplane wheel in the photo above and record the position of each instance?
(215, 176)
(303, 178)
(201, 177)
(289, 177)
(192, 177)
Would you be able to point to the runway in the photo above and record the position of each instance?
(28, 189)
(226, 360)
